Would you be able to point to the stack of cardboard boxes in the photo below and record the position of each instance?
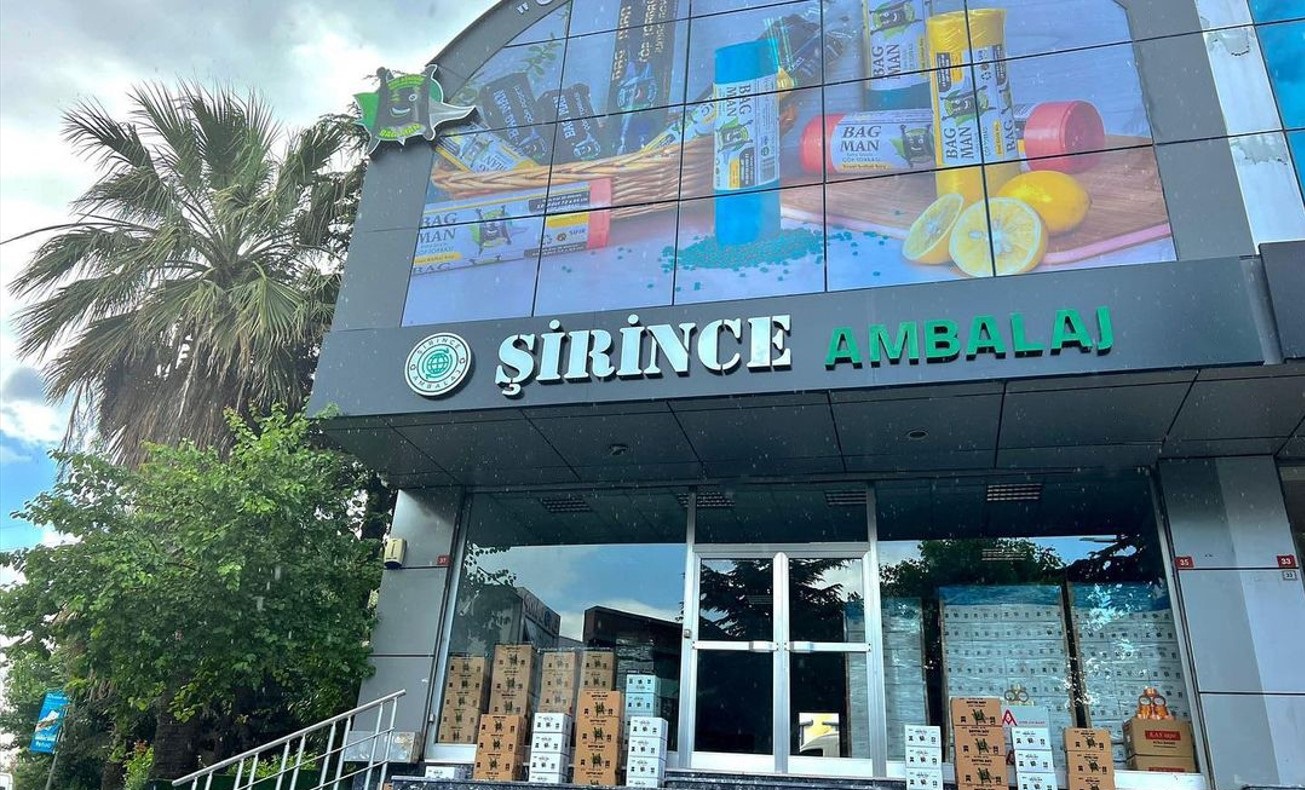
(558, 682)
(978, 743)
(512, 689)
(1089, 763)
(924, 757)
(501, 749)
(464, 699)
(550, 746)
(598, 738)
(645, 695)
(1035, 767)
(1160, 746)
(645, 764)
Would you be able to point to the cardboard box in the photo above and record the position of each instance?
(648, 726)
(646, 766)
(1036, 780)
(510, 705)
(560, 661)
(642, 746)
(924, 779)
(980, 772)
(599, 703)
(598, 679)
(1036, 739)
(979, 742)
(598, 659)
(1167, 738)
(923, 757)
(641, 703)
(545, 777)
(513, 659)
(507, 726)
(605, 735)
(1169, 763)
(549, 762)
(555, 701)
(1034, 761)
(548, 721)
(596, 776)
(496, 768)
(550, 743)
(921, 735)
(642, 781)
(1088, 783)
(460, 771)
(1089, 765)
(473, 697)
(975, 711)
(1087, 740)
(639, 683)
(460, 725)
(487, 744)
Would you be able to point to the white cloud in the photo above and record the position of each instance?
(10, 456)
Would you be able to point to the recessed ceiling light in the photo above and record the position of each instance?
(917, 434)
(618, 450)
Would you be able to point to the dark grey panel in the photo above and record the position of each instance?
(534, 476)
(919, 462)
(1082, 455)
(588, 441)
(914, 393)
(465, 447)
(1284, 267)
(1182, 101)
(1178, 315)
(1288, 368)
(408, 615)
(744, 434)
(442, 418)
(776, 463)
(951, 424)
(424, 480)
(1242, 409)
(1214, 448)
(384, 450)
(640, 472)
(1294, 448)
(707, 404)
(599, 409)
(394, 188)
(1200, 186)
(1113, 415)
(1105, 380)
(378, 260)
(1155, 18)
(411, 674)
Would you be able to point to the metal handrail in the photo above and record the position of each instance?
(285, 739)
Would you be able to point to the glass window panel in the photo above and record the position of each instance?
(596, 16)
(736, 600)
(1284, 51)
(830, 712)
(991, 588)
(608, 260)
(1270, 187)
(634, 68)
(546, 569)
(1037, 26)
(735, 712)
(1276, 10)
(826, 600)
(792, 31)
(1245, 94)
(1099, 209)
(1297, 141)
(782, 514)
(1066, 101)
(759, 142)
(507, 89)
(750, 244)
(501, 174)
(871, 221)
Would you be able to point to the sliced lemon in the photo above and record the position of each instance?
(926, 241)
(1059, 199)
(1018, 238)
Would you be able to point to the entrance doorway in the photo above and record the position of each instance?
(779, 673)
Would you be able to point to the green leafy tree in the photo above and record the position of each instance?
(201, 587)
(202, 269)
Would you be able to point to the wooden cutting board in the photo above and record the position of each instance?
(1128, 206)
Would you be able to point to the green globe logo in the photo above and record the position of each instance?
(438, 365)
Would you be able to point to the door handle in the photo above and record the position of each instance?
(802, 647)
(762, 647)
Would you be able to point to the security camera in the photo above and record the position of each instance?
(395, 551)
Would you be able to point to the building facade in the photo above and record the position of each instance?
(832, 358)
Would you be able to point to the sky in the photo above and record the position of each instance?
(305, 57)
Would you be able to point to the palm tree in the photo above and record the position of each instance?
(201, 272)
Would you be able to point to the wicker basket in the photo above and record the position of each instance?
(644, 182)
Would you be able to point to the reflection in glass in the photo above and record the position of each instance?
(825, 599)
(735, 711)
(736, 600)
(1284, 48)
(829, 714)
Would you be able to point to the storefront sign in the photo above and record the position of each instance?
(406, 106)
(46, 734)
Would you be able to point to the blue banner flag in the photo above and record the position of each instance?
(49, 722)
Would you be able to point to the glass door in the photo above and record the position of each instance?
(778, 677)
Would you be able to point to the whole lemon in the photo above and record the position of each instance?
(1059, 198)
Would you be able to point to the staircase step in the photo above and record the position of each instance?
(710, 780)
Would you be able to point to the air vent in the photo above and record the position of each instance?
(1004, 555)
(566, 503)
(709, 500)
(1014, 492)
(850, 498)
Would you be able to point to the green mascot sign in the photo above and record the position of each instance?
(404, 106)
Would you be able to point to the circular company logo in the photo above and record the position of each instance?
(438, 365)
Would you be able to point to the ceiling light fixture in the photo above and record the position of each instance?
(917, 434)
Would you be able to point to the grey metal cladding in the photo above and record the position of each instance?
(1200, 186)
(1175, 315)
(1284, 268)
